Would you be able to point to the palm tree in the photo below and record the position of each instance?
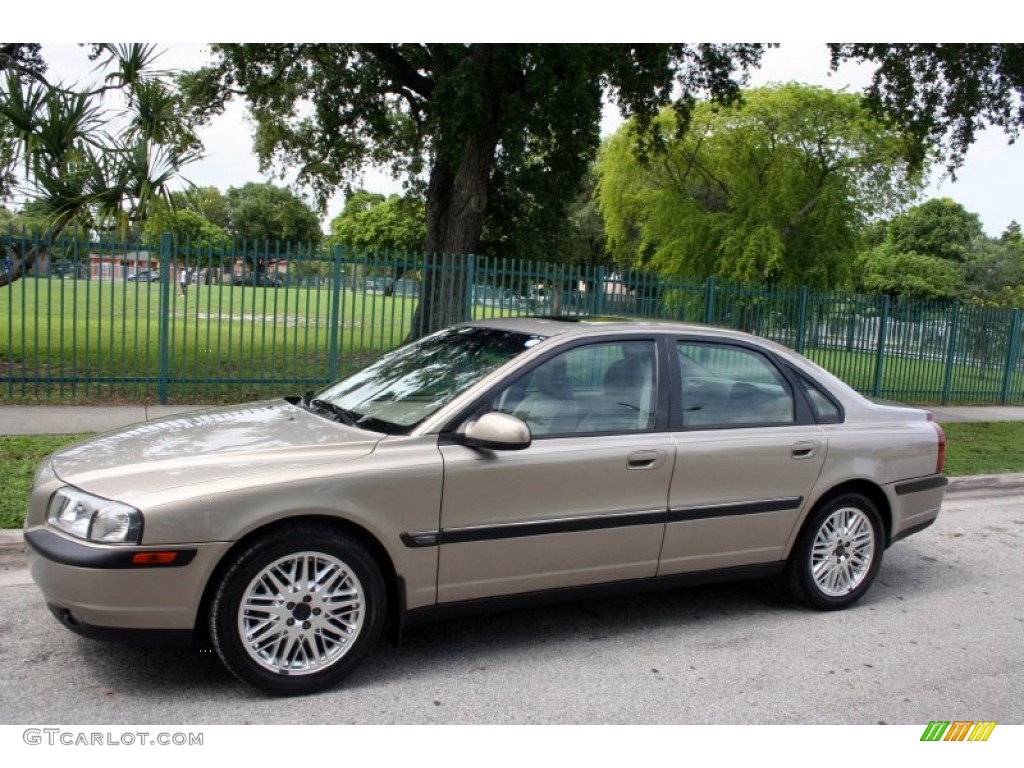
(83, 165)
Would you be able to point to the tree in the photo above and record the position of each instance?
(775, 188)
(84, 163)
(1012, 233)
(374, 222)
(8, 220)
(207, 202)
(264, 213)
(189, 228)
(940, 227)
(947, 237)
(931, 251)
(478, 119)
(995, 269)
(587, 242)
(524, 220)
(943, 93)
(908, 274)
(270, 220)
(24, 59)
(371, 220)
(34, 220)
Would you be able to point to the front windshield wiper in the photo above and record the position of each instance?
(339, 413)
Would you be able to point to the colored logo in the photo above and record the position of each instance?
(958, 730)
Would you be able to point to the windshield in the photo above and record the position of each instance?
(410, 383)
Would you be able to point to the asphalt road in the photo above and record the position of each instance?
(937, 638)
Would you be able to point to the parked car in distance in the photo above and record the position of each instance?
(144, 276)
(259, 280)
(492, 464)
(62, 269)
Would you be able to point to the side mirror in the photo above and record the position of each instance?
(496, 431)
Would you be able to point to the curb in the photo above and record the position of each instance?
(12, 549)
(972, 484)
(12, 540)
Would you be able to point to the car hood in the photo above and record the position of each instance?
(215, 444)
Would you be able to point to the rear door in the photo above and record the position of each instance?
(748, 454)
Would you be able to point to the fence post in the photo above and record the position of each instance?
(555, 293)
(954, 327)
(1011, 357)
(709, 301)
(469, 270)
(164, 319)
(851, 325)
(599, 289)
(801, 320)
(883, 321)
(335, 316)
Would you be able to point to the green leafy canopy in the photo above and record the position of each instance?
(776, 187)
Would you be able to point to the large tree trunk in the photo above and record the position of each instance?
(23, 258)
(456, 205)
(19, 263)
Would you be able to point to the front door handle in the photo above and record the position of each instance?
(646, 459)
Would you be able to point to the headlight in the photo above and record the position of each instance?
(94, 519)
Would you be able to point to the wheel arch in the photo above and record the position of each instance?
(395, 594)
(836, 579)
(872, 491)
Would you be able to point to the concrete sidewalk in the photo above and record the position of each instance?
(947, 414)
(64, 419)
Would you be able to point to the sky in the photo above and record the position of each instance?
(989, 182)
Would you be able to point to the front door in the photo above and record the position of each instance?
(586, 502)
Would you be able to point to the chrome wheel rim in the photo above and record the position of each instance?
(843, 551)
(302, 613)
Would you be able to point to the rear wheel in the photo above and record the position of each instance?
(838, 553)
(298, 609)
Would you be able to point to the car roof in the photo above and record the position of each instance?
(557, 326)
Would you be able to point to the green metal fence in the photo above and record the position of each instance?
(102, 322)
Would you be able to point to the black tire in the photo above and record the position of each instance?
(838, 553)
(298, 635)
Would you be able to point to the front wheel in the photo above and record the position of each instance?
(297, 610)
(838, 553)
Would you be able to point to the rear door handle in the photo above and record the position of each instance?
(646, 459)
(805, 449)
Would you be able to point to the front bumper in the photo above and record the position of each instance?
(99, 590)
(142, 637)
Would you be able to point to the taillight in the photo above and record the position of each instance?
(940, 461)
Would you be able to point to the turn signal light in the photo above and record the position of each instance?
(154, 558)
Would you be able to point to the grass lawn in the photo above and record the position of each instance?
(19, 457)
(98, 341)
(917, 380)
(55, 335)
(990, 448)
(973, 449)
